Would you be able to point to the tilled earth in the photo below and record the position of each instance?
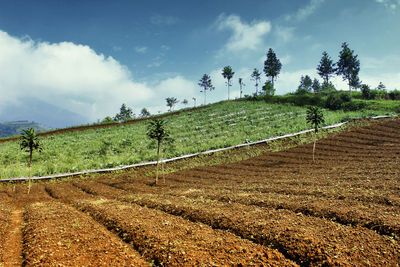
(277, 209)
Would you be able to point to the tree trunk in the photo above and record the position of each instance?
(272, 81)
(313, 150)
(349, 88)
(204, 97)
(158, 160)
(30, 171)
(228, 89)
(162, 164)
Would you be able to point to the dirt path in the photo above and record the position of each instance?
(13, 241)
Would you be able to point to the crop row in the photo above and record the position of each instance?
(56, 234)
(307, 240)
(171, 240)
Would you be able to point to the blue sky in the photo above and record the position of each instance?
(82, 59)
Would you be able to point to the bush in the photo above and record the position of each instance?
(353, 106)
(367, 93)
(394, 95)
(333, 102)
(345, 97)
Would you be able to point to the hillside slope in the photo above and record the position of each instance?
(215, 126)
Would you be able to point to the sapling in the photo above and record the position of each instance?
(156, 130)
(315, 117)
(29, 143)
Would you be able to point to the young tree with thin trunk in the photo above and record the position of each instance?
(29, 143)
(348, 65)
(171, 102)
(326, 67)
(228, 74)
(272, 66)
(315, 117)
(156, 130)
(241, 84)
(205, 83)
(144, 113)
(194, 100)
(255, 76)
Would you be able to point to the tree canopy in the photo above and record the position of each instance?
(206, 84)
(228, 73)
(348, 66)
(272, 66)
(125, 113)
(326, 67)
(255, 76)
(171, 102)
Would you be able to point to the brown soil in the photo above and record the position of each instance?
(278, 208)
(56, 234)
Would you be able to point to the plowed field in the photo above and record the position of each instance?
(277, 209)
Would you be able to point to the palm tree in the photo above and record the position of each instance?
(315, 117)
(156, 130)
(29, 143)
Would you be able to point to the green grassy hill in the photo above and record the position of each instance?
(215, 126)
(16, 127)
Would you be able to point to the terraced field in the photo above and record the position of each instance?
(276, 209)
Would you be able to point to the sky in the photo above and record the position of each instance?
(66, 62)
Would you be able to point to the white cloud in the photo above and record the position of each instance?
(284, 34)
(141, 49)
(75, 78)
(244, 36)
(392, 5)
(305, 12)
(163, 20)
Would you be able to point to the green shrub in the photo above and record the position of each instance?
(394, 95)
(353, 106)
(333, 102)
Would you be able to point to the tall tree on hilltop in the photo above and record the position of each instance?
(272, 66)
(348, 65)
(125, 114)
(227, 73)
(205, 83)
(316, 86)
(326, 67)
(171, 102)
(255, 76)
(29, 143)
(241, 84)
(305, 84)
(315, 117)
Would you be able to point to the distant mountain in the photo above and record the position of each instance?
(44, 113)
(16, 127)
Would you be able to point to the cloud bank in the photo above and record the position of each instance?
(74, 78)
